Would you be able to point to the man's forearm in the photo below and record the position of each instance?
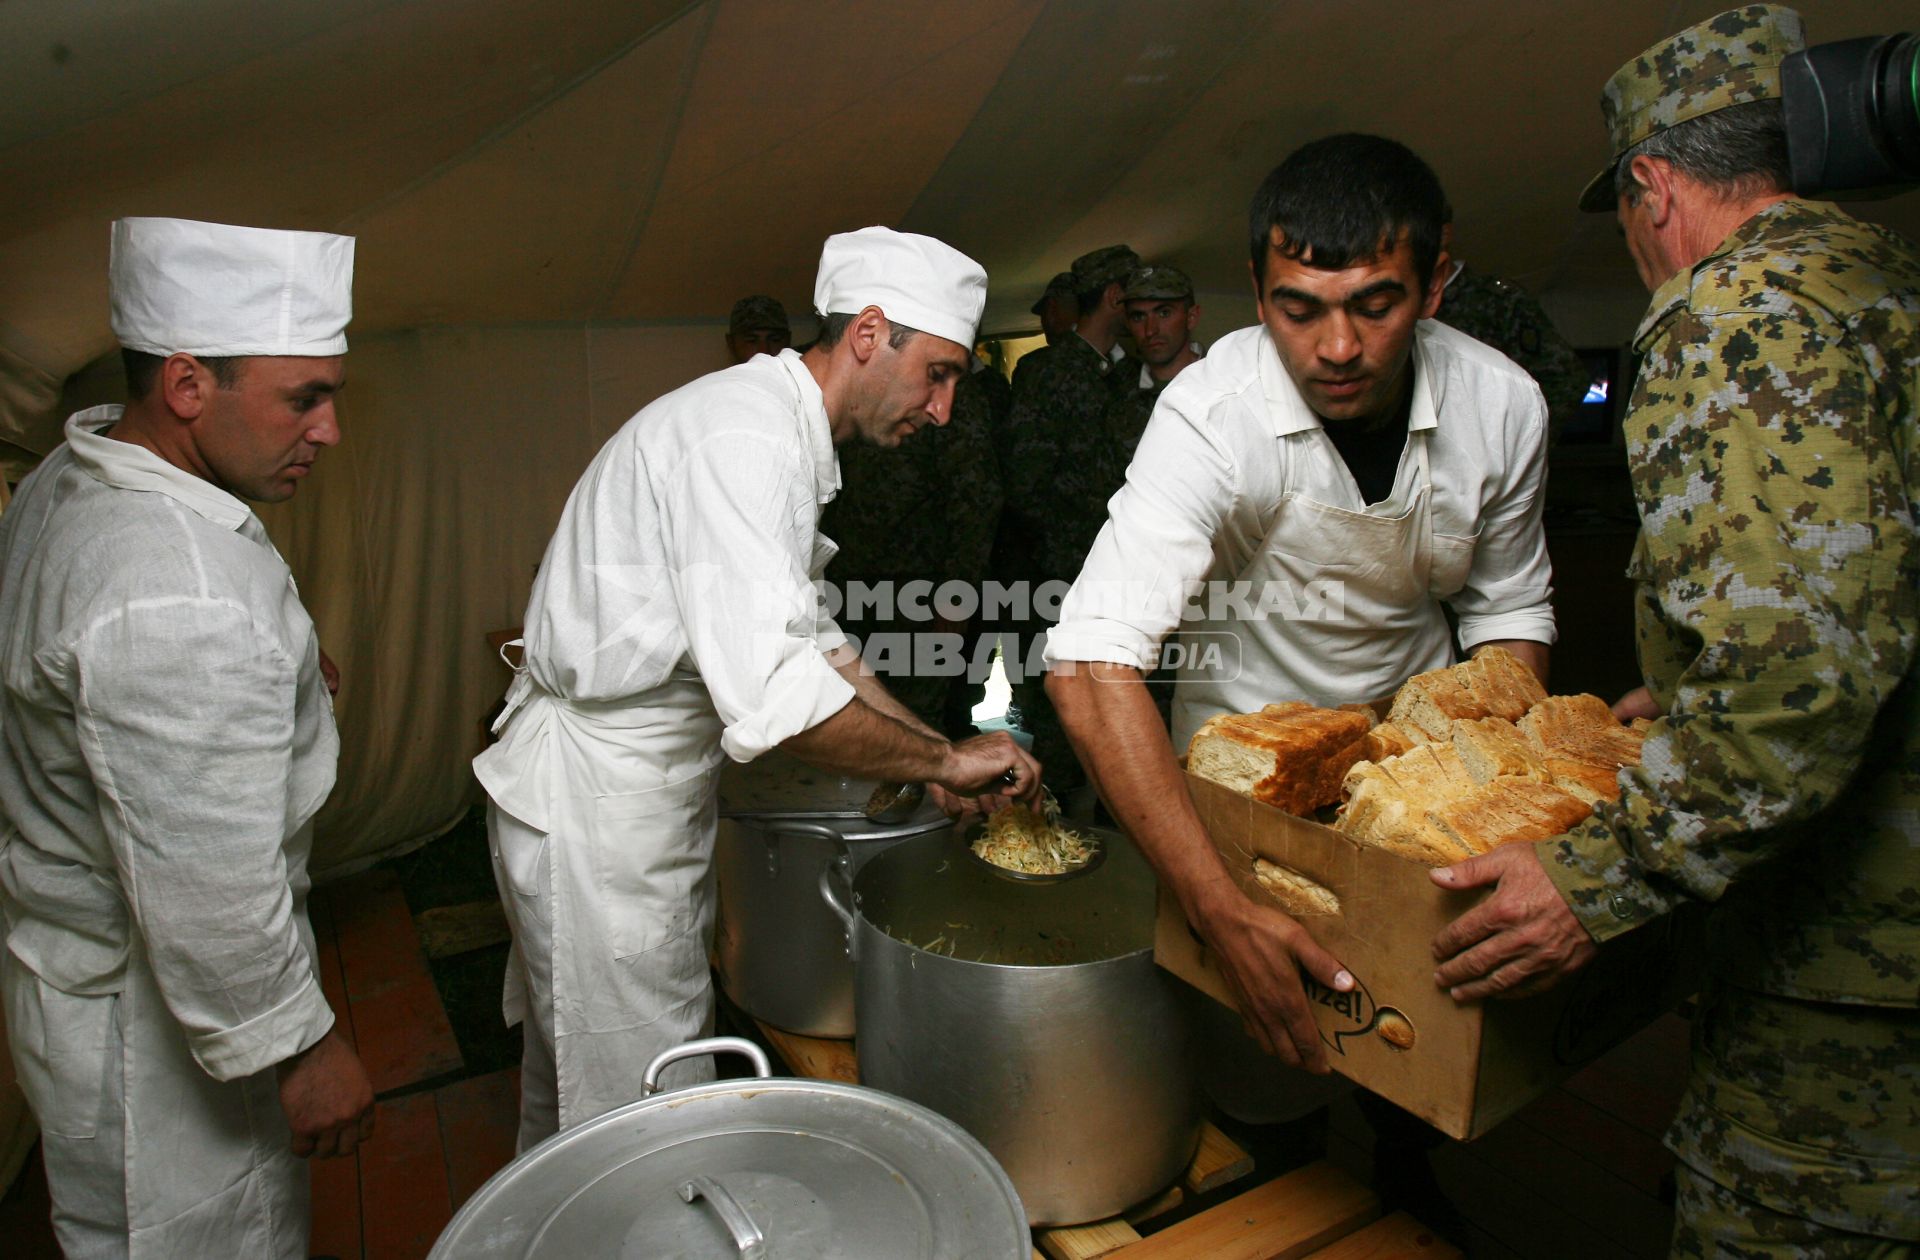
(863, 741)
(1113, 725)
(868, 688)
(1533, 655)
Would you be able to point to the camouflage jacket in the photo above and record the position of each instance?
(1505, 316)
(928, 507)
(1772, 436)
(1059, 450)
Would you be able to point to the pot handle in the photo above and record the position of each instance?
(831, 895)
(747, 1236)
(650, 1079)
(800, 827)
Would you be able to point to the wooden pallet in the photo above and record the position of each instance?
(1313, 1213)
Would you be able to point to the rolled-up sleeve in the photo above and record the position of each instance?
(185, 711)
(739, 529)
(1156, 546)
(1509, 588)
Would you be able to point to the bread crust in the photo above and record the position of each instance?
(1508, 811)
(1292, 756)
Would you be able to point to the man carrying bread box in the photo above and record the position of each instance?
(1303, 502)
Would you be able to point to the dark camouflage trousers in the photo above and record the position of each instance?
(1800, 1128)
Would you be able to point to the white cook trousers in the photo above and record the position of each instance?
(611, 904)
(147, 1156)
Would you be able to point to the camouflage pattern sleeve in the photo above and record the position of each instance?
(1775, 603)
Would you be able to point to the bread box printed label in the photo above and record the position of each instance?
(1462, 1068)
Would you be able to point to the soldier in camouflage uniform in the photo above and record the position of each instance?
(1056, 434)
(1506, 317)
(758, 325)
(1161, 314)
(923, 511)
(1774, 439)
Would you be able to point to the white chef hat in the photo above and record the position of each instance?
(181, 287)
(916, 280)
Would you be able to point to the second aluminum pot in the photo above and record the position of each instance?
(1032, 1015)
(782, 955)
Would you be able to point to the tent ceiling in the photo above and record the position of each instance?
(654, 159)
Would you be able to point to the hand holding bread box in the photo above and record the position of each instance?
(1470, 759)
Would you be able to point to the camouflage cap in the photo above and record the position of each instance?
(1108, 265)
(1061, 286)
(1726, 60)
(751, 314)
(1158, 281)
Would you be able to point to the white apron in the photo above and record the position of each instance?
(148, 1156)
(602, 825)
(1392, 568)
(1384, 625)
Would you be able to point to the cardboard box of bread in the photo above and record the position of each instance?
(1468, 758)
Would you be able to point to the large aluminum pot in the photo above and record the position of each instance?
(1033, 1015)
(780, 954)
(748, 1169)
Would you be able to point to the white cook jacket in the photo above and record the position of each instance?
(1231, 442)
(673, 619)
(167, 741)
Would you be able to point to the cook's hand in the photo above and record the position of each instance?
(326, 1097)
(1262, 953)
(1518, 942)
(330, 672)
(1638, 703)
(969, 782)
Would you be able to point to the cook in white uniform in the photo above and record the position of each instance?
(168, 738)
(673, 621)
(1252, 476)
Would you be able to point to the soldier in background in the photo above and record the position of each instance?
(1506, 317)
(1059, 416)
(1161, 315)
(758, 325)
(924, 511)
(1774, 445)
(1058, 312)
(982, 401)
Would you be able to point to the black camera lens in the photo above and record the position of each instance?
(1852, 112)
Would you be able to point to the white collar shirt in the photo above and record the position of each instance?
(1231, 436)
(691, 546)
(168, 741)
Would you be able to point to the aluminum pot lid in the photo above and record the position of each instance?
(776, 786)
(779, 1168)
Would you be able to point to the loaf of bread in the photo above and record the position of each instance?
(1507, 810)
(1296, 894)
(1589, 782)
(1382, 813)
(1492, 748)
(1292, 756)
(1388, 802)
(1492, 684)
(1389, 740)
(1582, 728)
